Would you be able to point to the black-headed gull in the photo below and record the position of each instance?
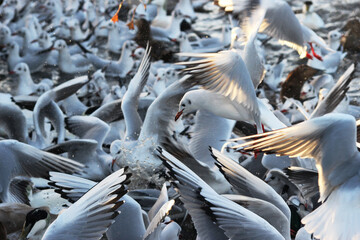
(26, 85)
(67, 63)
(93, 213)
(214, 216)
(139, 155)
(46, 106)
(130, 101)
(309, 17)
(225, 73)
(133, 223)
(118, 68)
(270, 14)
(331, 141)
(21, 159)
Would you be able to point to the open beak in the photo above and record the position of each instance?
(179, 114)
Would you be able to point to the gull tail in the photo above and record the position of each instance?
(338, 216)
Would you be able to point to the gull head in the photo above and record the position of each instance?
(307, 91)
(36, 221)
(186, 105)
(60, 45)
(21, 69)
(130, 45)
(308, 7)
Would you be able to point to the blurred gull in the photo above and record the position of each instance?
(309, 17)
(326, 139)
(21, 159)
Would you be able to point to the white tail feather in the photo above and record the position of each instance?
(339, 217)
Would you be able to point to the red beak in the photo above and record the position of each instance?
(112, 164)
(11, 72)
(179, 114)
(284, 111)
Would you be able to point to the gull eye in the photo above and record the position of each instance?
(272, 177)
(189, 101)
(183, 105)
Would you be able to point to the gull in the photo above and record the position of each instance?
(274, 74)
(118, 68)
(277, 179)
(226, 74)
(309, 17)
(305, 180)
(323, 81)
(21, 159)
(172, 31)
(46, 107)
(335, 95)
(270, 14)
(130, 100)
(331, 141)
(96, 90)
(93, 213)
(248, 184)
(334, 38)
(199, 100)
(203, 166)
(27, 46)
(26, 85)
(13, 122)
(294, 110)
(118, 33)
(215, 216)
(186, 9)
(75, 31)
(328, 62)
(131, 223)
(88, 149)
(72, 106)
(67, 63)
(139, 155)
(34, 61)
(161, 19)
(196, 46)
(209, 130)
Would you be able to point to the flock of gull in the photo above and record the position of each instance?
(146, 127)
